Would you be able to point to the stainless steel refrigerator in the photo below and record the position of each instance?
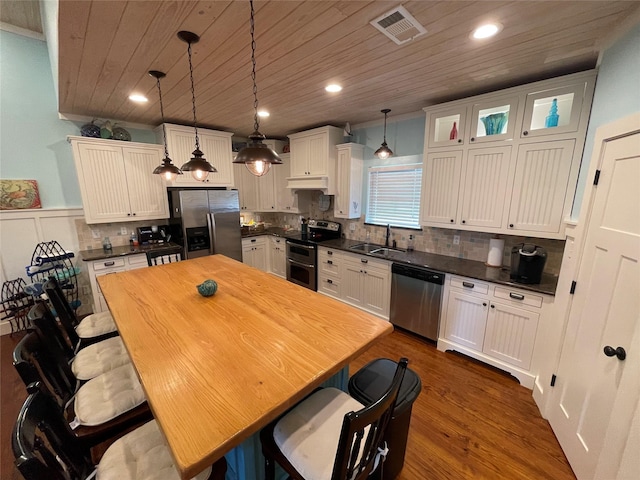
(206, 221)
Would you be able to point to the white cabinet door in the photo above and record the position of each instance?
(286, 200)
(493, 120)
(466, 320)
(447, 127)
(318, 154)
(254, 252)
(553, 111)
(300, 154)
(376, 291)
(511, 334)
(147, 193)
(105, 194)
(541, 185)
(440, 188)
(267, 191)
(278, 257)
(486, 174)
(348, 197)
(352, 285)
(247, 185)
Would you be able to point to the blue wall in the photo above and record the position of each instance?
(33, 143)
(617, 95)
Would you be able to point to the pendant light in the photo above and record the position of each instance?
(256, 156)
(384, 152)
(198, 165)
(168, 170)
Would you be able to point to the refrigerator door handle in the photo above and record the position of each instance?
(211, 224)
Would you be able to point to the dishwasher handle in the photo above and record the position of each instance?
(419, 273)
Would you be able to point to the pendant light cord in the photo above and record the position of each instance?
(164, 128)
(256, 122)
(385, 128)
(193, 97)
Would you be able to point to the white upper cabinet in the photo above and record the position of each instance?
(116, 180)
(215, 145)
(313, 159)
(348, 197)
(286, 199)
(247, 185)
(513, 167)
(446, 126)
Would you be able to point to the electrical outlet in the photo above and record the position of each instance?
(95, 233)
(456, 239)
(352, 226)
(123, 230)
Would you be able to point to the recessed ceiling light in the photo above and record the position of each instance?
(485, 31)
(136, 97)
(333, 88)
(263, 113)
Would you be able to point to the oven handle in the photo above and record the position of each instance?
(301, 264)
(308, 247)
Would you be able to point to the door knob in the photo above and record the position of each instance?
(619, 352)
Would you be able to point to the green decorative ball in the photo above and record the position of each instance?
(207, 288)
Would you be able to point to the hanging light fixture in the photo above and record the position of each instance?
(384, 151)
(256, 156)
(168, 170)
(198, 165)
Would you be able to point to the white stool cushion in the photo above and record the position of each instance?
(96, 324)
(308, 435)
(108, 395)
(99, 358)
(141, 455)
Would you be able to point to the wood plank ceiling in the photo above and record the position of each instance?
(107, 47)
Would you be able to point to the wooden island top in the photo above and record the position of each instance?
(217, 369)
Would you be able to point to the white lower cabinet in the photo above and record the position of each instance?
(98, 268)
(278, 257)
(254, 252)
(358, 280)
(495, 324)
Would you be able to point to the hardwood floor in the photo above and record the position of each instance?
(469, 422)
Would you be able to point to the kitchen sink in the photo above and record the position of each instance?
(386, 251)
(374, 249)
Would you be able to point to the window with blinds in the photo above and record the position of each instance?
(394, 195)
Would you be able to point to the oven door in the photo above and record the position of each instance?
(301, 264)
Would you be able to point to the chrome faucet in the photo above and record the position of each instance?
(387, 235)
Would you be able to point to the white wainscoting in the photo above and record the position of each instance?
(22, 230)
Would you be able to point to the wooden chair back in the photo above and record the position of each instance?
(42, 443)
(66, 315)
(164, 255)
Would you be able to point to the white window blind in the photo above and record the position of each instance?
(394, 195)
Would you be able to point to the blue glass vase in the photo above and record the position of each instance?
(552, 118)
(495, 123)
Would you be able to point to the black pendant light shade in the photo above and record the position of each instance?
(384, 151)
(198, 165)
(168, 170)
(256, 156)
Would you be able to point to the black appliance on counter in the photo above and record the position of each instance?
(527, 263)
(154, 234)
(302, 251)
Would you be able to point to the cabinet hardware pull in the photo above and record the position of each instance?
(253, 240)
(459, 140)
(128, 214)
(464, 221)
(109, 264)
(452, 220)
(329, 281)
(619, 352)
(525, 133)
(511, 225)
(472, 139)
(516, 296)
(484, 304)
(330, 262)
(493, 306)
(468, 284)
(329, 252)
(364, 260)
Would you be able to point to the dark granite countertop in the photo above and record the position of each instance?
(100, 254)
(277, 231)
(453, 265)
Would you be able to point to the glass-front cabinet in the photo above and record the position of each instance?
(494, 120)
(447, 127)
(553, 111)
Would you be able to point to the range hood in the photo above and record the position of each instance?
(319, 182)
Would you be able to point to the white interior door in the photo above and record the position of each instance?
(593, 391)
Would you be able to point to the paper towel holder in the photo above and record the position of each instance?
(496, 252)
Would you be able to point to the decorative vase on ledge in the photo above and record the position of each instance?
(495, 123)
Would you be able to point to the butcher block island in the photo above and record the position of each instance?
(217, 369)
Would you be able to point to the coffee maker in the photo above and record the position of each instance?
(527, 263)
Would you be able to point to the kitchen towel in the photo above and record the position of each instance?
(496, 247)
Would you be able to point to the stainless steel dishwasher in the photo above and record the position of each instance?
(416, 294)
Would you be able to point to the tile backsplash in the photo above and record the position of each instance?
(472, 246)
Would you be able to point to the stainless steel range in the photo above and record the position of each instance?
(302, 251)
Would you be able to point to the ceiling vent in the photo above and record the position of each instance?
(399, 25)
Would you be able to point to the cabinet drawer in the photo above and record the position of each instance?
(108, 264)
(329, 253)
(368, 262)
(530, 299)
(329, 286)
(329, 266)
(469, 285)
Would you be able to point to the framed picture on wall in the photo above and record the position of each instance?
(19, 194)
